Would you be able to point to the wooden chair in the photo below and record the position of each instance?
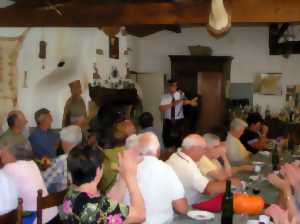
(49, 201)
(14, 216)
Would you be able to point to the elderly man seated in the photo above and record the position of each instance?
(9, 194)
(159, 184)
(56, 176)
(184, 163)
(210, 164)
(44, 141)
(14, 135)
(28, 180)
(236, 151)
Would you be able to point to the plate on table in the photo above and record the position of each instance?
(256, 222)
(200, 215)
(264, 153)
(254, 178)
(258, 163)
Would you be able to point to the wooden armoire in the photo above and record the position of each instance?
(207, 78)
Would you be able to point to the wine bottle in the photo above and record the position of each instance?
(227, 205)
(275, 158)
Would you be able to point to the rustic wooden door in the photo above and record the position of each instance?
(211, 88)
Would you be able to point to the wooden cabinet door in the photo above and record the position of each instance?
(211, 87)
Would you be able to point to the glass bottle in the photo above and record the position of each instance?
(227, 205)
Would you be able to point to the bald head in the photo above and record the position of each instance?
(194, 146)
(16, 120)
(193, 140)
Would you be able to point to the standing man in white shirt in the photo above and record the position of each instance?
(171, 106)
(161, 188)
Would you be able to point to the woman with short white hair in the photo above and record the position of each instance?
(56, 176)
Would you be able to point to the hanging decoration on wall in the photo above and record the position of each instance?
(9, 51)
(219, 18)
(99, 51)
(61, 63)
(114, 47)
(25, 79)
(126, 52)
(43, 50)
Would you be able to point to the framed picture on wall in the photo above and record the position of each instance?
(268, 84)
(114, 47)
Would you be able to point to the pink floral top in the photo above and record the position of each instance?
(80, 208)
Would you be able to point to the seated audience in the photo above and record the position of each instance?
(28, 180)
(16, 122)
(81, 121)
(236, 151)
(184, 164)
(146, 125)
(56, 176)
(8, 194)
(209, 164)
(44, 141)
(216, 152)
(255, 136)
(121, 130)
(85, 204)
(163, 191)
(289, 185)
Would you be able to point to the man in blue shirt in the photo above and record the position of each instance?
(44, 141)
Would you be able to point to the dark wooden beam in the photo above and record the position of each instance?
(79, 13)
(145, 30)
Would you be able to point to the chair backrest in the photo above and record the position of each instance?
(14, 216)
(54, 199)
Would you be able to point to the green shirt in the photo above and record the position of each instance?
(73, 107)
(12, 139)
(109, 169)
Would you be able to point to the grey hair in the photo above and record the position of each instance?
(151, 146)
(71, 134)
(40, 115)
(132, 141)
(192, 141)
(22, 151)
(237, 124)
(211, 140)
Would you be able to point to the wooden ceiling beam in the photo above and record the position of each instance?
(80, 14)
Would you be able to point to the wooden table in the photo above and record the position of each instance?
(268, 192)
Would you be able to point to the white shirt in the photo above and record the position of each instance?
(28, 180)
(193, 181)
(159, 186)
(236, 151)
(8, 194)
(167, 99)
